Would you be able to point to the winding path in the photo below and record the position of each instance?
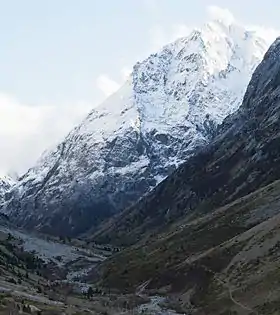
(225, 284)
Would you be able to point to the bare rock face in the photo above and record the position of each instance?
(6, 184)
(170, 106)
(243, 157)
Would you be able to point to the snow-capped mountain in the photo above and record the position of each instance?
(169, 107)
(6, 183)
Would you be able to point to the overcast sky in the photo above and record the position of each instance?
(60, 58)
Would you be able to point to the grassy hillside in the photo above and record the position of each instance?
(213, 263)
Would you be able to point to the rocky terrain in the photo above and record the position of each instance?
(6, 184)
(208, 236)
(170, 106)
(204, 238)
(242, 158)
(50, 276)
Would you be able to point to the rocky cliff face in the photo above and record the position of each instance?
(170, 106)
(242, 158)
(6, 184)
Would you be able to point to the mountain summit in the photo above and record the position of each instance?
(243, 158)
(170, 106)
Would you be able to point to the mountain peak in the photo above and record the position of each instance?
(243, 158)
(170, 106)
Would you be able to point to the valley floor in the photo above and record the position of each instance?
(224, 262)
(56, 282)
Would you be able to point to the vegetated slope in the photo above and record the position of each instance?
(244, 157)
(225, 262)
(170, 106)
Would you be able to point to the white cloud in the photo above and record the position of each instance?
(226, 17)
(161, 35)
(269, 34)
(220, 14)
(26, 131)
(107, 85)
(125, 73)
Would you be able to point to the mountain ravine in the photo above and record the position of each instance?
(170, 106)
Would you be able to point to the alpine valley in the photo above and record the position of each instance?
(169, 107)
(165, 199)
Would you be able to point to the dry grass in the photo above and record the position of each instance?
(238, 244)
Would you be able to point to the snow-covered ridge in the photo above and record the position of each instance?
(6, 183)
(170, 105)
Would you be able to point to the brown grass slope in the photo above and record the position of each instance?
(225, 262)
